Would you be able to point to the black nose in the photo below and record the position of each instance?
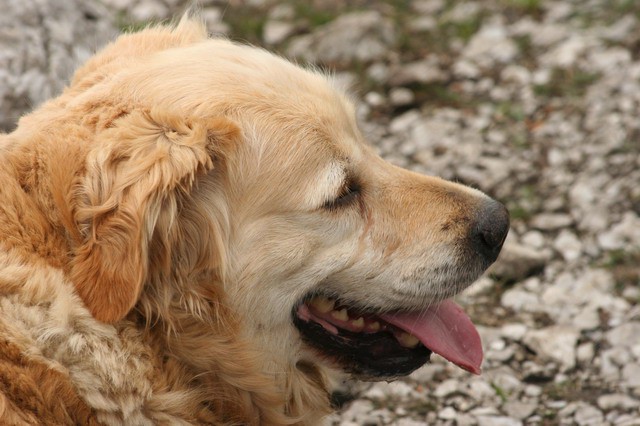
(490, 229)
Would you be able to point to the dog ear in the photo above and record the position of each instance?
(137, 174)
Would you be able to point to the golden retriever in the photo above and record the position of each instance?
(195, 232)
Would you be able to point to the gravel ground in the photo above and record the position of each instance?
(536, 103)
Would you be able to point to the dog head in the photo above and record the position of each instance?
(224, 185)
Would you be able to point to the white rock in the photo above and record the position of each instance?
(587, 415)
(516, 261)
(423, 23)
(447, 413)
(148, 10)
(480, 390)
(624, 234)
(41, 44)
(490, 45)
(617, 401)
(621, 29)
(566, 53)
(519, 299)
(424, 72)
(282, 12)
(555, 343)
(627, 334)
(548, 35)
(568, 245)
(401, 96)
(533, 390)
(408, 422)
(275, 32)
(513, 331)
(356, 409)
(588, 318)
(506, 380)
(498, 421)
(551, 221)
(631, 375)
(585, 353)
(374, 99)
(400, 389)
(426, 373)
(357, 36)
(405, 122)
(466, 69)
(447, 387)
(518, 409)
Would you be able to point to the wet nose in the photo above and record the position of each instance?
(490, 229)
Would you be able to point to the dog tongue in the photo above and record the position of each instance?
(446, 330)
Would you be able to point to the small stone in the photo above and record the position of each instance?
(374, 99)
(426, 373)
(631, 375)
(588, 415)
(617, 401)
(485, 412)
(408, 422)
(490, 45)
(533, 390)
(568, 245)
(507, 381)
(148, 10)
(400, 389)
(480, 390)
(275, 32)
(466, 69)
(498, 421)
(447, 413)
(356, 409)
(405, 122)
(423, 72)
(587, 319)
(356, 36)
(513, 332)
(556, 343)
(519, 299)
(551, 221)
(585, 353)
(401, 96)
(626, 334)
(624, 234)
(447, 387)
(534, 239)
(519, 410)
(517, 262)
(566, 53)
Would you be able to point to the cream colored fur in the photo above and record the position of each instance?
(160, 220)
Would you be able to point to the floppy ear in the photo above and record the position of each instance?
(138, 172)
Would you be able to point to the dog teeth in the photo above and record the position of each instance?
(358, 324)
(322, 304)
(340, 315)
(407, 340)
(374, 326)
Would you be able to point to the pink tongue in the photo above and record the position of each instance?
(446, 330)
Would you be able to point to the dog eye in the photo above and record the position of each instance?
(348, 194)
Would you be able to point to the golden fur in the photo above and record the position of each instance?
(160, 219)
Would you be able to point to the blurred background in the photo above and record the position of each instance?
(535, 102)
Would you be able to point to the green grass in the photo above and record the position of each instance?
(624, 264)
(530, 7)
(566, 83)
(501, 393)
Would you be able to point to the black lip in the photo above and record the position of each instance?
(372, 356)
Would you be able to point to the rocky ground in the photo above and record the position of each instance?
(534, 102)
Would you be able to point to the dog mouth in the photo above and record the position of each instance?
(379, 344)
